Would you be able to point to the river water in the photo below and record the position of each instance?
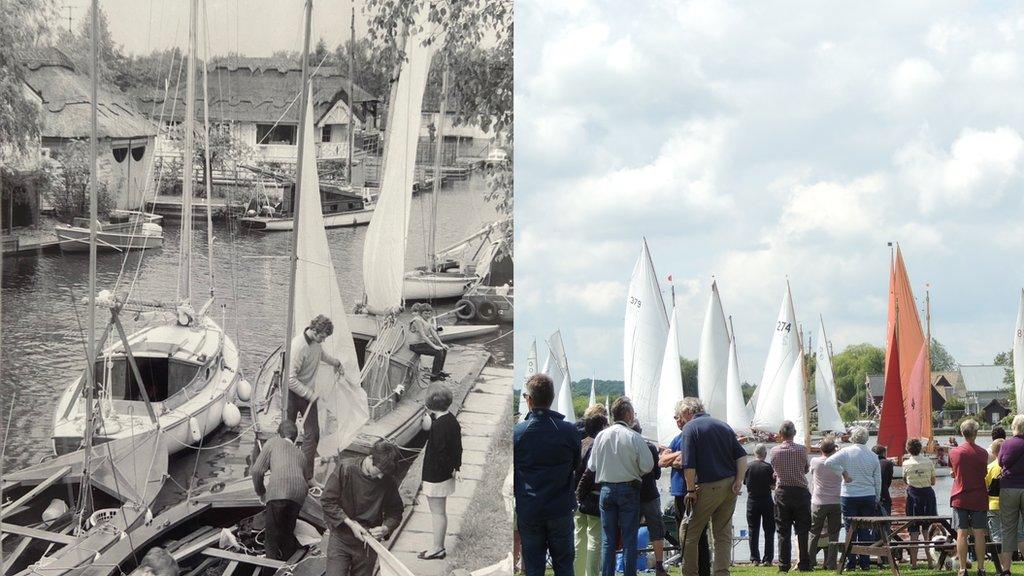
(43, 318)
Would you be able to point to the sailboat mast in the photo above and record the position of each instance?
(438, 152)
(351, 94)
(188, 164)
(207, 173)
(90, 372)
(304, 104)
(807, 392)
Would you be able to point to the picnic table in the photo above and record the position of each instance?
(888, 544)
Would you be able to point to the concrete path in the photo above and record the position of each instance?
(480, 416)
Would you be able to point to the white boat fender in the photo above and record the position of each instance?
(149, 516)
(243, 390)
(196, 432)
(56, 509)
(232, 416)
(306, 534)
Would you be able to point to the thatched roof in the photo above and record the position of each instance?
(67, 102)
(245, 89)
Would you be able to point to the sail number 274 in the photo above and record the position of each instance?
(784, 326)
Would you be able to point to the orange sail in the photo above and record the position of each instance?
(914, 365)
(892, 430)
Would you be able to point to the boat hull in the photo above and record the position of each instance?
(75, 239)
(440, 286)
(338, 220)
(201, 409)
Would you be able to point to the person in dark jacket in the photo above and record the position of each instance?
(588, 519)
(650, 508)
(884, 501)
(284, 493)
(361, 501)
(760, 481)
(546, 453)
(442, 460)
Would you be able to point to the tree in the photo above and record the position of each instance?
(941, 359)
(689, 369)
(853, 365)
(113, 65)
(369, 73)
(1005, 359)
(22, 23)
(849, 412)
(68, 192)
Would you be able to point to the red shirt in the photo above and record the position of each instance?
(969, 463)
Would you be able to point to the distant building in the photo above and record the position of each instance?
(126, 137)
(995, 411)
(983, 383)
(461, 141)
(942, 388)
(256, 99)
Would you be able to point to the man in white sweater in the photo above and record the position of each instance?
(306, 355)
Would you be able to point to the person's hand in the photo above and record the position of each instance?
(457, 475)
(690, 499)
(678, 462)
(846, 477)
(737, 487)
(358, 531)
(378, 532)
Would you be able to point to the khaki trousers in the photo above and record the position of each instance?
(716, 503)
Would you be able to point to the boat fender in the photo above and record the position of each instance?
(465, 309)
(232, 416)
(56, 509)
(196, 432)
(243, 390)
(487, 311)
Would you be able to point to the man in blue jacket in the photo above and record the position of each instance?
(545, 456)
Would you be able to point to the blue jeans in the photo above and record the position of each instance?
(858, 506)
(541, 537)
(620, 512)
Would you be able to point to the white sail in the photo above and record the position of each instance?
(670, 388)
(531, 369)
(343, 405)
(563, 400)
(384, 247)
(646, 328)
(1018, 356)
(794, 400)
(558, 353)
(713, 358)
(553, 369)
(737, 413)
(781, 357)
(825, 387)
(593, 395)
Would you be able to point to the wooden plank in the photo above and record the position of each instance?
(202, 567)
(195, 547)
(7, 510)
(230, 570)
(10, 559)
(37, 534)
(244, 558)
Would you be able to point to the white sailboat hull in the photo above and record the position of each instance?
(338, 220)
(421, 285)
(76, 239)
(199, 405)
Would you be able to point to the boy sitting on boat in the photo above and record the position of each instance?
(429, 341)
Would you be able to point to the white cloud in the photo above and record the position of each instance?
(835, 208)
(913, 78)
(995, 66)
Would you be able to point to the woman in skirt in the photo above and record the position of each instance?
(441, 462)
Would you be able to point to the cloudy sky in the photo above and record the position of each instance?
(251, 27)
(759, 140)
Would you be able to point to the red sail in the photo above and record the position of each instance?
(892, 431)
(914, 370)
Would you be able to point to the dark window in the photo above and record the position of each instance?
(138, 153)
(163, 377)
(325, 134)
(271, 134)
(120, 154)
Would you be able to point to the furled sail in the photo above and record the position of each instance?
(384, 247)
(893, 424)
(794, 400)
(825, 387)
(737, 413)
(915, 377)
(646, 328)
(781, 357)
(343, 405)
(713, 358)
(1018, 356)
(670, 388)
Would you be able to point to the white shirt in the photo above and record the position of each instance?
(620, 455)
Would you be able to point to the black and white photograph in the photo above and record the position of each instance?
(257, 287)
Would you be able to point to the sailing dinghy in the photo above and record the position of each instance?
(713, 359)
(670, 386)
(829, 419)
(782, 356)
(644, 334)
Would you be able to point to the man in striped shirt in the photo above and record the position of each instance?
(792, 499)
(284, 493)
(862, 486)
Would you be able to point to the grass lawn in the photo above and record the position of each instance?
(748, 570)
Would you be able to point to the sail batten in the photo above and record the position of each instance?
(645, 332)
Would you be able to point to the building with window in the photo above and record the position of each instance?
(256, 100)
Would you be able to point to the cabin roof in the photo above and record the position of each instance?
(248, 89)
(983, 377)
(66, 98)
